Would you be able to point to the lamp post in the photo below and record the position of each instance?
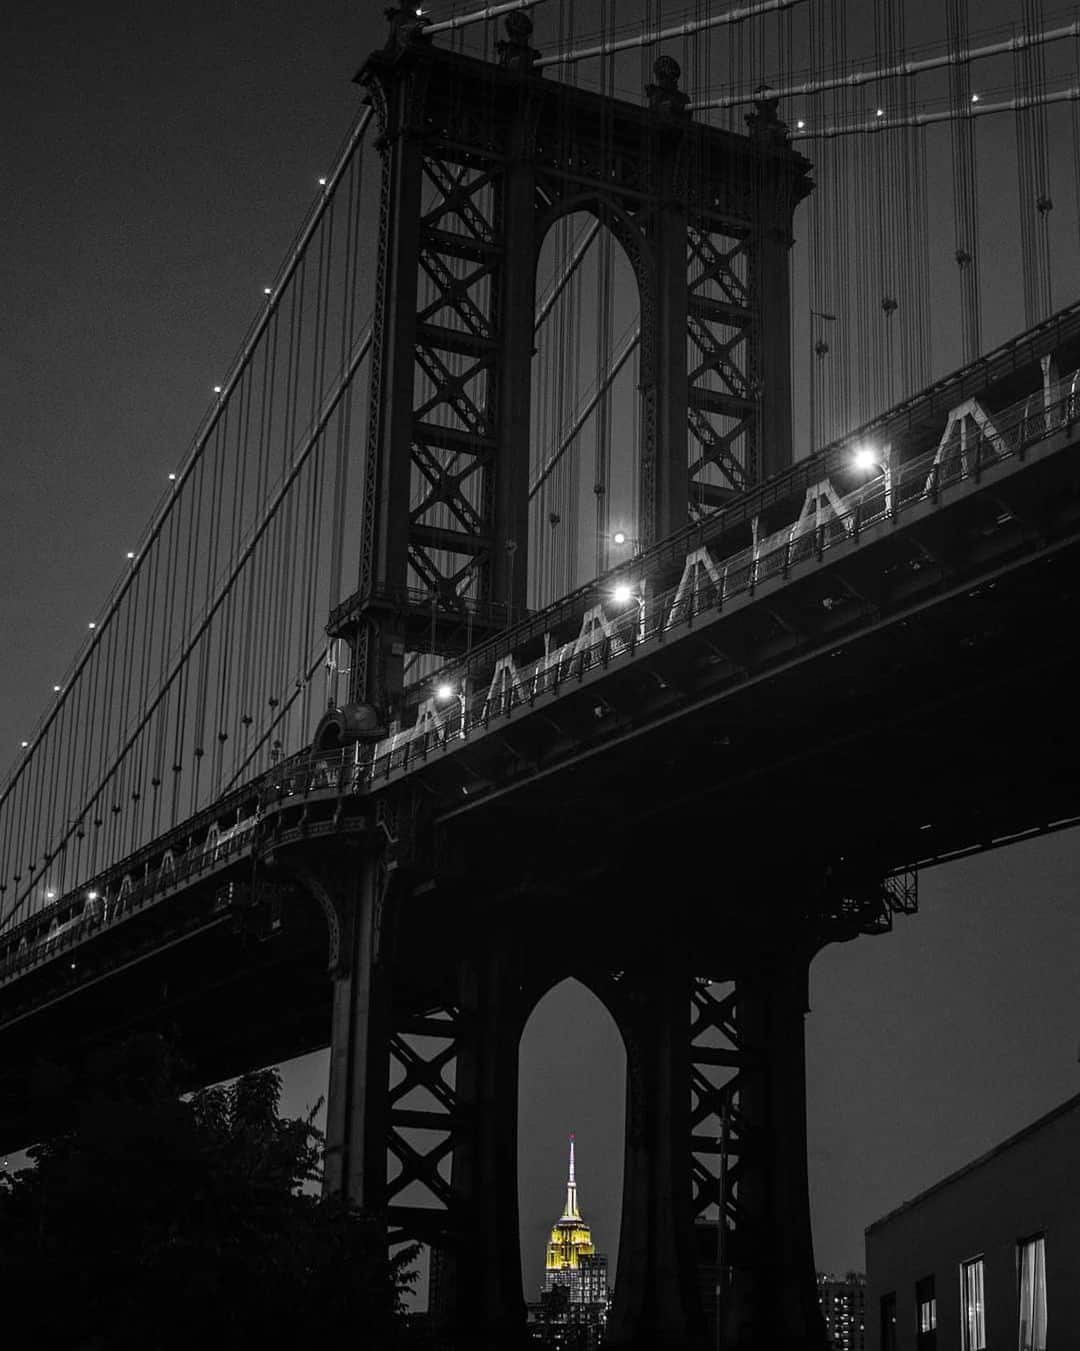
(624, 594)
(877, 460)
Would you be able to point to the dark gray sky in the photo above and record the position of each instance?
(157, 161)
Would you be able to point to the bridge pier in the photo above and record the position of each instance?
(482, 1305)
(352, 894)
(771, 1296)
(476, 1000)
(656, 1303)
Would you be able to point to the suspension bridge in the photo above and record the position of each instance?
(492, 579)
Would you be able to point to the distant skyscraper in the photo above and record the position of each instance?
(843, 1303)
(572, 1312)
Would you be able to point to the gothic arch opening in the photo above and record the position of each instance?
(572, 1082)
(586, 423)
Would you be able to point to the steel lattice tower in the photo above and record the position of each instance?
(478, 161)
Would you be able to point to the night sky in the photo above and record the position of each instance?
(157, 161)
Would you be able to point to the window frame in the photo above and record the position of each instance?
(967, 1341)
(926, 1298)
(1021, 1244)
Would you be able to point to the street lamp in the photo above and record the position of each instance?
(871, 459)
(629, 593)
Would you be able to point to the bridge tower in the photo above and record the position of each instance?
(479, 160)
(431, 965)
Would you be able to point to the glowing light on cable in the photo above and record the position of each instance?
(130, 553)
(172, 478)
(50, 895)
(880, 112)
(91, 895)
(974, 98)
(799, 126)
(24, 744)
(619, 537)
(865, 458)
(322, 182)
(56, 689)
(217, 389)
(268, 290)
(444, 691)
(622, 594)
(92, 625)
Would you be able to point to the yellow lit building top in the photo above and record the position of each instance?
(571, 1237)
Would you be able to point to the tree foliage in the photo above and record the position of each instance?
(155, 1222)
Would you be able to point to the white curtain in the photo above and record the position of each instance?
(1033, 1295)
(974, 1307)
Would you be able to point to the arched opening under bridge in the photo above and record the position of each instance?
(572, 1080)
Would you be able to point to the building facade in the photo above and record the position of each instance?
(989, 1258)
(843, 1304)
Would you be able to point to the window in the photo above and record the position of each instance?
(926, 1306)
(888, 1322)
(1031, 1266)
(972, 1306)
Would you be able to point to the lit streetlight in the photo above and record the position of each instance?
(876, 460)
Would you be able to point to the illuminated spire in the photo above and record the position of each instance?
(571, 1238)
(571, 1212)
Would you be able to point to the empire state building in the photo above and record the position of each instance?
(573, 1265)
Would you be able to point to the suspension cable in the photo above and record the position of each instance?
(900, 70)
(477, 15)
(925, 119)
(650, 39)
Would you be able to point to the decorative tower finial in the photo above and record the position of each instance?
(571, 1212)
(764, 122)
(406, 26)
(515, 51)
(665, 96)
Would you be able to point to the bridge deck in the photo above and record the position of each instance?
(877, 682)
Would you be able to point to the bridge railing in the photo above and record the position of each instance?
(611, 625)
(1021, 423)
(192, 850)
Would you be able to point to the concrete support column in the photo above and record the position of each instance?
(656, 1298)
(482, 1307)
(356, 1111)
(772, 1297)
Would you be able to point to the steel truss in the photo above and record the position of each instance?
(423, 1114)
(479, 161)
(722, 403)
